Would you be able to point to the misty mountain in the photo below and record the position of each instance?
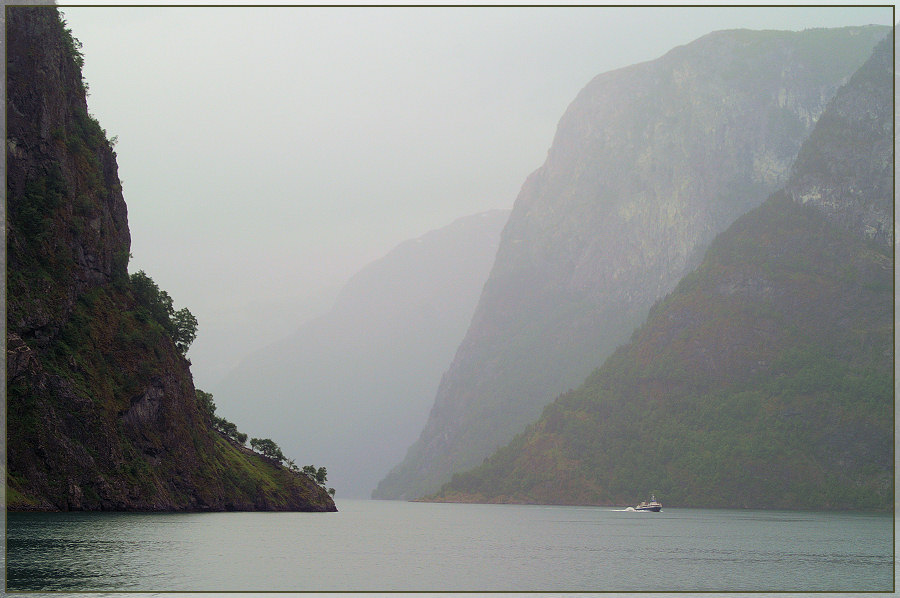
(231, 332)
(766, 378)
(102, 412)
(648, 164)
(351, 389)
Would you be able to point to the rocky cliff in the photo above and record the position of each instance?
(843, 169)
(361, 377)
(766, 378)
(101, 408)
(648, 164)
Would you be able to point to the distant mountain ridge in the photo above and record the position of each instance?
(359, 380)
(648, 164)
(765, 379)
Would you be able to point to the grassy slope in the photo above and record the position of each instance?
(68, 424)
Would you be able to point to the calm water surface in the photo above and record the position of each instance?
(390, 545)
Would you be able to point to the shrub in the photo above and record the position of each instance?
(267, 448)
(181, 325)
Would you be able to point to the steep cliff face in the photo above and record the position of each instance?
(843, 170)
(67, 218)
(765, 378)
(101, 407)
(649, 163)
(362, 377)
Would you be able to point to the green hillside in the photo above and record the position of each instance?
(649, 163)
(765, 379)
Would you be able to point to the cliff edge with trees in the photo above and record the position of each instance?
(102, 413)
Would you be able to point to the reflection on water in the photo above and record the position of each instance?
(397, 546)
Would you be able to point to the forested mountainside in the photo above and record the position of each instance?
(765, 380)
(361, 378)
(649, 163)
(102, 413)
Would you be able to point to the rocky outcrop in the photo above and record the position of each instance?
(765, 379)
(648, 164)
(102, 413)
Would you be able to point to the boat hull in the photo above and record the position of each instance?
(654, 506)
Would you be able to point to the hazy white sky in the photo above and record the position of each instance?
(268, 152)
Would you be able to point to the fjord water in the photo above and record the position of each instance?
(391, 545)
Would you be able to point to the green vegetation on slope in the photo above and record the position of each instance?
(96, 422)
(648, 164)
(101, 409)
(763, 380)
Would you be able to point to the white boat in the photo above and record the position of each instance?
(654, 505)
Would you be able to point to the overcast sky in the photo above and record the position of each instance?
(266, 153)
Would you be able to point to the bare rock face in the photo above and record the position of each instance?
(102, 412)
(843, 171)
(649, 163)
